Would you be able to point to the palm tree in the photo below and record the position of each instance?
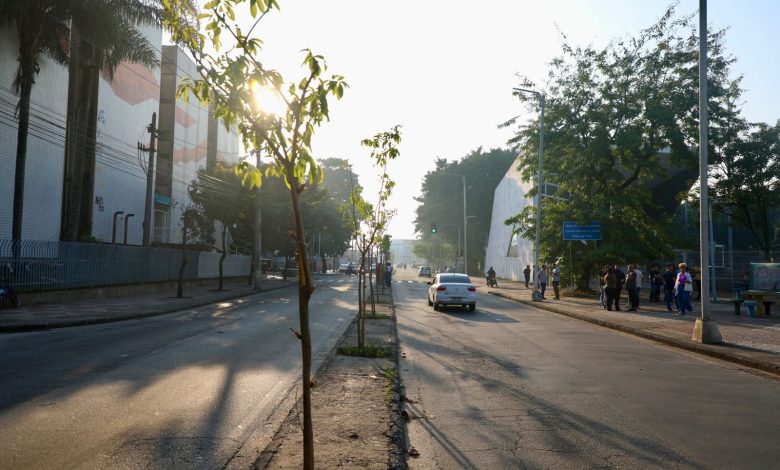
(41, 30)
(104, 33)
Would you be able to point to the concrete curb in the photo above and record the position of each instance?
(708, 350)
(129, 316)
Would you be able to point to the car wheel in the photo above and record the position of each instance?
(472, 307)
(436, 306)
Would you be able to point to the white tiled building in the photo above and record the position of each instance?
(509, 253)
(125, 107)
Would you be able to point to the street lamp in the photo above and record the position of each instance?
(538, 241)
(706, 329)
(113, 229)
(127, 216)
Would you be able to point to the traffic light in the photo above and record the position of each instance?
(434, 227)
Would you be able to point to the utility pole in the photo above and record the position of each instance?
(706, 328)
(149, 205)
(258, 252)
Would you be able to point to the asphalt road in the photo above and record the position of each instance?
(511, 386)
(203, 388)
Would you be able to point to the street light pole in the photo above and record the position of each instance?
(538, 202)
(706, 329)
(465, 246)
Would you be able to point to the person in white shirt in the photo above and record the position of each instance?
(683, 286)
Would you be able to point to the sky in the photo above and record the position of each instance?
(444, 69)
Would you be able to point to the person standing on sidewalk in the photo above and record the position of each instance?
(603, 286)
(527, 274)
(631, 278)
(655, 283)
(556, 280)
(697, 280)
(542, 280)
(639, 278)
(621, 280)
(610, 289)
(683, 286)
(668, 279)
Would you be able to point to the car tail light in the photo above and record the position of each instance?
(472, 289)
(441, 288)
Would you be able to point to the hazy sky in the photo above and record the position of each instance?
(444, 69)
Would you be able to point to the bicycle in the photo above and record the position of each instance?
(7, 292)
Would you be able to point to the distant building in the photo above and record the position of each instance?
(402, 251)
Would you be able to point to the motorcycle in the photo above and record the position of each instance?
(491, 280)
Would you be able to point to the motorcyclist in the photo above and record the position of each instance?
(491, 277)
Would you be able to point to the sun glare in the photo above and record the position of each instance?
(268, 100)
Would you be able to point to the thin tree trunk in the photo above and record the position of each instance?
(305, 290)
(222, 258)
(180, 284)
(26, 81)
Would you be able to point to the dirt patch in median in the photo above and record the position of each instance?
(355, 409)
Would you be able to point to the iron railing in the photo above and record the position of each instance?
(36, 266)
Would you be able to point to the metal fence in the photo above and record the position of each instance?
(37, 266)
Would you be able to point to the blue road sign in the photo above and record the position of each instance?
(574, 231)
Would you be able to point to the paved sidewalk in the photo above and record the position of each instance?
(92, 311)
(751, 342)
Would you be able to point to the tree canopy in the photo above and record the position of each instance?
(619, 119)
(441, 200)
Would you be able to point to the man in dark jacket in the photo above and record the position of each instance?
(632, 278)
(621, 280)
(527, 274)
(668, 282)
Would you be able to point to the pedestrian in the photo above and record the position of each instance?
(639, 278)
(655, 283)
(696, 274)
(602, 285)
(556, 280)
(631, 279)
(683, 286)
(668, 278)
(543, 280)
(621, 280)
(610, 289)
(389, 275)
(527, 274)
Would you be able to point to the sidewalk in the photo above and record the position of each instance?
(751, 342)
(92, 311)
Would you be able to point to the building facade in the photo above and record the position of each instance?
(187, 139)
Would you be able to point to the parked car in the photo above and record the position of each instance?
(452, 289)
(347, 268)
(424, 271)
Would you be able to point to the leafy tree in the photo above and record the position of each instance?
(441, 200)
(368, 221)
(218, 194)
(230, 80)
(436, 251)
(746, 180)
(338, 179)
(610, 114)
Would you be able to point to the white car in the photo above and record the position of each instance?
(424, 271)
(452, 289)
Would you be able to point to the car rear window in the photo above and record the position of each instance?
(454, 278)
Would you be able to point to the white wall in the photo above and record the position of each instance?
(234, 265)
(508, 200)
(125, 108)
